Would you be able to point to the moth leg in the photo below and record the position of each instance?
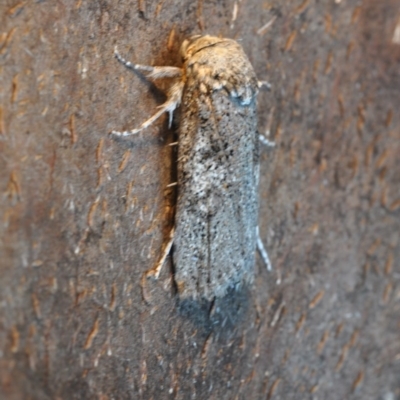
(173, 101)
(262, 251)
(266, 141)
(153, 72)
(155, 272)
(262, 84)
(174, 93)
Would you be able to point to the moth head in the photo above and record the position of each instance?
(196, 43)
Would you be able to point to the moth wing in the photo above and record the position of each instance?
(217, 207)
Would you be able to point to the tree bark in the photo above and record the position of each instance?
(84, 214)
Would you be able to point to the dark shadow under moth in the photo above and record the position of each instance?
(216, 234)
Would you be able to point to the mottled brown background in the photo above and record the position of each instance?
(83, 215)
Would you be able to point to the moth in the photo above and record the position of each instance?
(216, 233)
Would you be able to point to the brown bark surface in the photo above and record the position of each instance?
(83, 214)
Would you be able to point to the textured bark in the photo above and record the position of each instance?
(83, 215)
